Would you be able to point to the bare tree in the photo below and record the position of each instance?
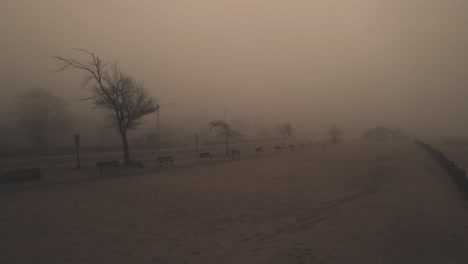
(40, 113)
(123, 98)
(335, 133)
(224, 130)
(285, 131)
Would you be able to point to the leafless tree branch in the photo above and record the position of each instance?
(122, 97)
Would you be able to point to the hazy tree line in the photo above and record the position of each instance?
(41, 115)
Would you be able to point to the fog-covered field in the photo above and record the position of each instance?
(131, 81)
(353, 203)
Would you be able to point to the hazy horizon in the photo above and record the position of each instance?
(356, 64)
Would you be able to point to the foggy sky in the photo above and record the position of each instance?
(353, 63)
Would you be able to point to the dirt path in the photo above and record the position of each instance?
(355, 203)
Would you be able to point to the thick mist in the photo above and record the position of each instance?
(356, 64)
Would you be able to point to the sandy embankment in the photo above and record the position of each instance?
(355, 203)
(457, 153)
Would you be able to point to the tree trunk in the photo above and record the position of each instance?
(126, 148)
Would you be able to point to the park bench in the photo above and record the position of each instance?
(162, 159)
(235, 152)
(15, 175)
(302, 145)
(292, 147)
(206, 155)
(258, 150)
(106, 164)
(278, 148)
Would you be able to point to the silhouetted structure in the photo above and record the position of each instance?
(381, 134)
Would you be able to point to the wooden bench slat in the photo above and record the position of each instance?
(105, 164)
(161, 159)
(206, 155)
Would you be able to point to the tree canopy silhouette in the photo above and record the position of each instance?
(224, 130)
(123, 98)
(285, 131)
(335, 133)
(40, 113)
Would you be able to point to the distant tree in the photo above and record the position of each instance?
(123, 98)
(39, 113)
(335, 133)
(285, 131)
(224, 130)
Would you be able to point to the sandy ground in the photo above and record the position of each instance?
(354, 203)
